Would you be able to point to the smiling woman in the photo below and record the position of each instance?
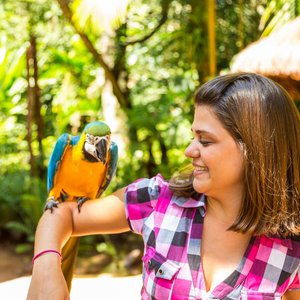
(217, 158)
(263, 122)
(226, 228)
(245, 158)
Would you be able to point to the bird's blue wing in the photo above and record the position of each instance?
(74, 140)
(56, 158)
(111, 168)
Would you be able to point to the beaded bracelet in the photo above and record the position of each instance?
(44, 252)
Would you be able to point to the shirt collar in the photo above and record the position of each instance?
(200, 203)
(190, 202)
(286, 242)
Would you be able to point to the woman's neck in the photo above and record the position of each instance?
(224, 210)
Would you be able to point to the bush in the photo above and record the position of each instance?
(22, 198)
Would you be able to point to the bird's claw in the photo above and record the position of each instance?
(80, 202)
(50, 204)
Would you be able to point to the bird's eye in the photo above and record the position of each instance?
(88, 138)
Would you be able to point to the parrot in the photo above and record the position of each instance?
(80, 168)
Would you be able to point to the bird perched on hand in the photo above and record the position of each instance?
(80, 168)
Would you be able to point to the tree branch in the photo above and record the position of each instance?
(163, 19)
(108, 72)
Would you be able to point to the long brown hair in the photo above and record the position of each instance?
(260, 116)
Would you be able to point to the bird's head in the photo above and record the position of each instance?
(97, 141)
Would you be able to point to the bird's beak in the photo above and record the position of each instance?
(101, 148)
(95, 149)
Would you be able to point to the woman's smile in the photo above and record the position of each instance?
(199, 170)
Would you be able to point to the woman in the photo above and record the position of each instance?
(229, 229)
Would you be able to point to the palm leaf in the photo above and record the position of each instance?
(99, 16)
(11, 67)
(276, 14)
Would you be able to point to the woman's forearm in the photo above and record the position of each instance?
(106, 215)
(55, 228)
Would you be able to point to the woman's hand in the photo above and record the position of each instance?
(47, 281)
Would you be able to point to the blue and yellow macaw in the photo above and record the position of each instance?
(80, 168)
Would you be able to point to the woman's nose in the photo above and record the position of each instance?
(192, 150)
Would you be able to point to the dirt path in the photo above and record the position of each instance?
(13, 265)
(15, 271)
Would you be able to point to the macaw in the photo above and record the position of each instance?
(80, 168)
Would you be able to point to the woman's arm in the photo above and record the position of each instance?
(105, 215)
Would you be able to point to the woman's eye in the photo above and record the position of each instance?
(204, 142)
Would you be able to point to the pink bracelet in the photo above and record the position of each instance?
(44, 252)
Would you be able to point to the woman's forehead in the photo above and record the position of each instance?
(206, 122)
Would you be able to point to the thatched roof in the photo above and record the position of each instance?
(276, 56)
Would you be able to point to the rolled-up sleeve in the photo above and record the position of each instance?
(140, 200)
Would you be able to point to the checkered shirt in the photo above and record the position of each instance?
(172, 229)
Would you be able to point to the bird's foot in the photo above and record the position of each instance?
(51, 203)
(80, 201)
(64, 196)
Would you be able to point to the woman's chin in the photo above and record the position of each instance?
(199, 185)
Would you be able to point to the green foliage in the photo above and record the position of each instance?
(158, 76)
(237, 27)
(22, 199)
(11, 68)
(277, 13)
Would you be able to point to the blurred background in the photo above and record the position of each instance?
(136, 65)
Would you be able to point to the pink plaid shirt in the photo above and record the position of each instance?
(172, 229)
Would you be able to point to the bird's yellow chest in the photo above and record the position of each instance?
(78, 177)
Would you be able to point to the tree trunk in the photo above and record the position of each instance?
(212, 37)
(198, 20)
(114, 117)
(150, 164)
(34, 110)
(30, 109)
(163, 150)
(241, 26)
(37, 111)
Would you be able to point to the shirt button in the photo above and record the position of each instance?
(160, 271)
(149, 263)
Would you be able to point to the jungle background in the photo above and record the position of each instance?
(134, 64)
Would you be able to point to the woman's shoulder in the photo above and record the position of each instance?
(291, 243)
(145, 190)
(154, 183)
(141, 200)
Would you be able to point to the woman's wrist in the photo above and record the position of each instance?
(46, 252)
(47, 262)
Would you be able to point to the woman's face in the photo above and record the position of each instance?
(216, 157)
